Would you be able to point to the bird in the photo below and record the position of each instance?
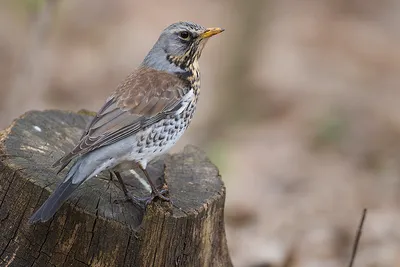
(142, 119)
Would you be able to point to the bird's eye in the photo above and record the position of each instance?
(184, 35)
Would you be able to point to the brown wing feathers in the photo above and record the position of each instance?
(145, 97)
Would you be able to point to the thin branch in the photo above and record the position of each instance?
(357, 238)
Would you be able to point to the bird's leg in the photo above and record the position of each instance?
(124, 189)
(147, 200)
(127, 194)
(154, 191)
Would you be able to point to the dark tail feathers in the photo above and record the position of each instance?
(53, 203)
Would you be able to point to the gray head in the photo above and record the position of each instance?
(179, 46)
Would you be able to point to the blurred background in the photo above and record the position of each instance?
(299, 108)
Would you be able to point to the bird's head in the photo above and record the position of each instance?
(179, 45)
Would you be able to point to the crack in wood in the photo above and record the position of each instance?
(18, 226)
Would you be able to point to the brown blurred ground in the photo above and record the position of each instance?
(307, 92)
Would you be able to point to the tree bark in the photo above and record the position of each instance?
(95, 227)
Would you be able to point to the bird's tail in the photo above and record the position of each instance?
(57, 198)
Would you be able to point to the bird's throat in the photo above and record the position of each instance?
(190, 73)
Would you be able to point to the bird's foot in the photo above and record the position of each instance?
(148, 199)
(161, 195)
(157, 194)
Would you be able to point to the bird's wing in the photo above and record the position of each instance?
(145, 97)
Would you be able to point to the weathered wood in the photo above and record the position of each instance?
(92, 229)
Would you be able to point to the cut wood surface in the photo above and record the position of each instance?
(95, 227)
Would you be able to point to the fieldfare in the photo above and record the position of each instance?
(145, 116)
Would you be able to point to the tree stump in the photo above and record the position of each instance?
(92, 228)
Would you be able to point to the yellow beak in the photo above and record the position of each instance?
(210, 32)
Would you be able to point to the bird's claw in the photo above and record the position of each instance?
(161, 194)
(148, 199)
(156, 194)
